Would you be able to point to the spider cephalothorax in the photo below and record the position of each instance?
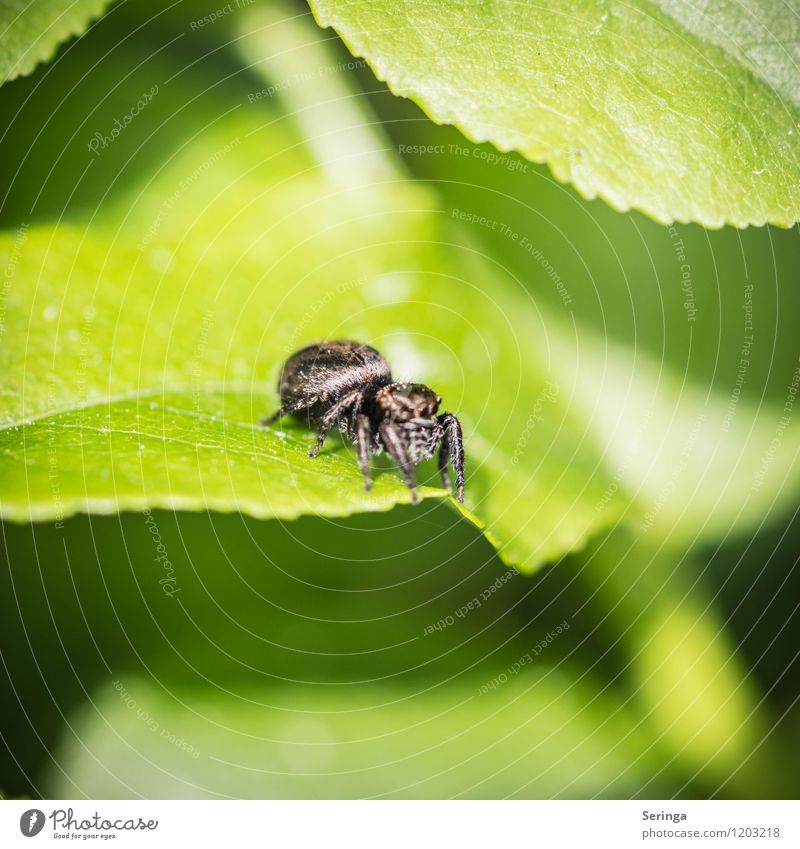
(349, 385)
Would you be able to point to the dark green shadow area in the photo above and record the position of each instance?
(214, 655)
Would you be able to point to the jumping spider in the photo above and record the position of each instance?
(349, 385)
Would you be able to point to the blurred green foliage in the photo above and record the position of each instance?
(320, 658)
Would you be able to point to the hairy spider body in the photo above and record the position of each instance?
(349, 385)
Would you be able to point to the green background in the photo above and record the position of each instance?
(298, 658)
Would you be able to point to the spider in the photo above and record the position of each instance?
(349, 385)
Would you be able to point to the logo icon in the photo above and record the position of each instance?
(31, 822)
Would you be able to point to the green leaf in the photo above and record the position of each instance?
(32, 30)
(682, 113)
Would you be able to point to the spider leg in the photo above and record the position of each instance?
(452, 446)
(332, 416)
(364, 436)
(397, 450)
